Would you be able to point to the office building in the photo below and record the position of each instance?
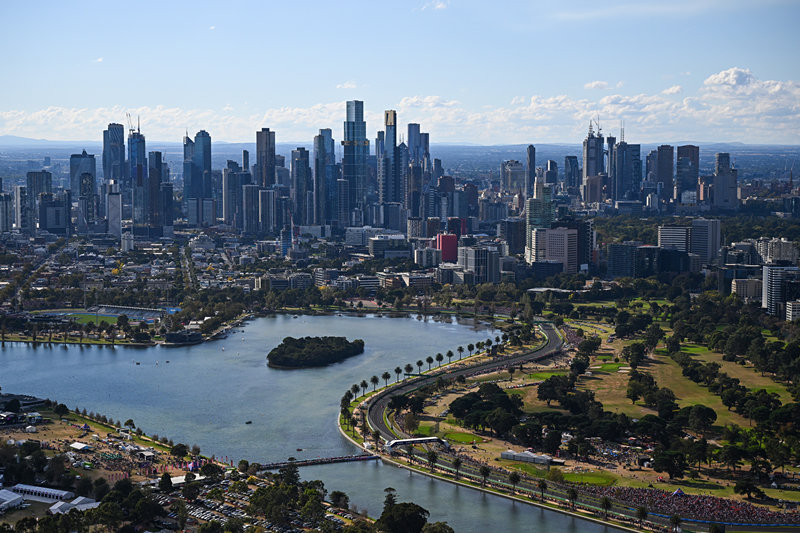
(705, 239)
(562, 247)
(665, 170)
(36, 182)
(779, 285)
(530, 170)
(593, 160)
(265, 174)
(726, 183)
(113, 205)
(324, 177)
(114, 153)
(513, 176)
(621, 259)
(572, 172)
(302, 192)
(625, 171)
(23, 216)
(6, 213)
(355, 151)
(389, 187)
(55, 213)
(251, 224)
(687, 168)
(80, 164)
(483, 262)
(676, 237)
(166, 223)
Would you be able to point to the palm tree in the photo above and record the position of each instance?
(513, 478)
(429, 360)
(397, 372)
(542, 485)
(432, 458)
(374, 380)
(449, 355)
(419, 365)
(376, 436)
(674, 521)
(457, 465)
(460, 351)
(479, 345)
(641, 514)
(354, 389)
(605, 504)
(353, 424)
(572, 495)
(409, 369)
(386, 377)
(439, 359)
(470, 348)
(364, 386)
(497, 339)
(488, 344)
(485, 471)
(511, 371)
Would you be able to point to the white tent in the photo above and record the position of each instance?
(80, 446)
(9, 500)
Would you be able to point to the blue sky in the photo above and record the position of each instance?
(468, 71)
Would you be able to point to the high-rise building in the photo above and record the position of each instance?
(135, 193)
(79, 164)
(625, 171)
(513, 176)
(266, 210)
(530, 170)
(343, 202)
(202, 159)
(23, 217)
(250, 209)
(415, 153)
(137, 157)
(572, 172)
(551, 173)
(677, 237)
(6, 212)
(593, 164)
(705, 238)
(562, 247)
(726, 183)
(665, 171)
(302, 187)
(778, 285)
(153, 206)
(324, 176)
(687, 168)
(55, 213)
(356, 150)
(113, 209)
(189, 189)
(232, 197)
(265, 158)
(482, 261)
(388, 169)
(36, 184)
(114, 152)
(166, 195)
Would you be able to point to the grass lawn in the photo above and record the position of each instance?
(541, 376)
(462, 438)
(608, 367)
(748, 375)
(425, 429)
(592, 478)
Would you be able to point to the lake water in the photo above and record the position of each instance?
(206, 393)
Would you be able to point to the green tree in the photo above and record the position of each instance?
(572, 496)
(429, 360)
(437, 527)
(432, 458)
(408, 368)
(419, 366)
(403, 518)
(457, 466)
(514, 478)
(386, 377)
(484, 471)
(605, 504)
(397, 372)
(165, 483)
(470, 348)
(542, 486)
(364, 386)
(460, 351)
(374, 380)
(641, 515)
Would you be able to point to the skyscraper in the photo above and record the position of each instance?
(324, 176)
(6, 213)
(530, 170)
(354, 157)
(592, 157)
(114, 152)
(22, 213)
(415, 153)
(688, 168)
(79, 164)
(551, 172)
(134, 191)
(188, 170)
(302, 187)
(666, 170)
(153, 205)
(513, 176)
(265, 158)
(705, 238)
(388, 171)
(625, 171)
(572, 176)
(726, 184)
(37, 183)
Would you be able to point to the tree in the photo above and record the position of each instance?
(675, 522)
(748, 486)
(374, 380)
(672, 462)
(419, 366)
(212, 471)
(411, 423)
(386, 377)
(450, 355)
(181, 513)
(514, 478)
(542, 486)
(364, 387)
(403, 518)
(460, 351)
(432, 458)
(470, 348)
(191, 490)
(408, 368)
(605, 504)
(457, 465)
(165, 483)
(179, 450)
(109, 514)
(437, 527)
(511, 371)
(641, 515)
(485, 471)
(429, 360)
(572, 496)
(397, 372)
(243, 466)
(354, 389)
(129, 424)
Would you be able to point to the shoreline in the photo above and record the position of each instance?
(535, 503)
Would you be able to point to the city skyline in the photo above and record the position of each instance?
(520, 81)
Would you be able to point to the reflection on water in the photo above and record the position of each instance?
(207, 392)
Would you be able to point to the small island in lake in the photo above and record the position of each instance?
(313, 351)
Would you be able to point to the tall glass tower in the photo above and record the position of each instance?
(356, 150)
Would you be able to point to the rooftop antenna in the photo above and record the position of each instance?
(138, 129)
(622, 131)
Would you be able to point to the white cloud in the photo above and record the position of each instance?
(731, 105)
(620, 84)
(675, 89)
(347, 85)
(98, 60)
(597, 84)
(212, 28)
(436, 5)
